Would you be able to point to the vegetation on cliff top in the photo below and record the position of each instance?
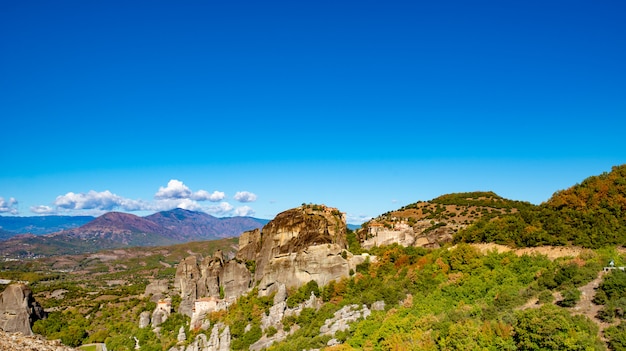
(591, 214)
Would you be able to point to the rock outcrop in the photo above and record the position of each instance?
(18, 309)
(423, 233)
(158, 316)
(277, 312)
(216, 342)
(299, 245)
(342, 318)
(157, 289)
(144, 319)
(21, 342)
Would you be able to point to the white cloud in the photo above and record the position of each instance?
(203, 195)
(42, 209)
(188, 204)
(175, 189)
(8, 206)
(175, 195)
(244, 211)
(224, 208)
(357, 219)
(104, 201)
(245, 196)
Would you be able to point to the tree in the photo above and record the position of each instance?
(553, 328)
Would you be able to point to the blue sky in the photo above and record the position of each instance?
(249, 107)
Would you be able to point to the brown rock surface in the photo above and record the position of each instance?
(299, 245)
(18, 309)
(20, 342)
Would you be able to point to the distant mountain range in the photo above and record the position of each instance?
(38, 225)
(116, 229)
(589, 214)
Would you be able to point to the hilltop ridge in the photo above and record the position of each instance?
(434, 223)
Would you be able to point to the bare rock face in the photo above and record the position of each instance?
(157, 289)
(343, 317)
(209, 281)
(235, 278)
(161, 312)
(299, 245)
(421, 234)
(18, 309)
(321, 263)
(186, 279)
(144, 319)
(210, 278)
(249, 245)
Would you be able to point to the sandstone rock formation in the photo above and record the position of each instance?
(341, 319)
(157, 289)
(423, 233)
(299, 245)
(213, 278)
(216, 342)
(277, 312)
(18, 309)
(160, 314)
(144, 319)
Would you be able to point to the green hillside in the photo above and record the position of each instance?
(590, 214)
(460, 299)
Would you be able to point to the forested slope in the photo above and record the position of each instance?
(590, 214)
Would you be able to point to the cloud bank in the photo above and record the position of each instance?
(173, 195)
(8, 206)
(42, 209)
(245, 196)
(104, 201)
(244, 211)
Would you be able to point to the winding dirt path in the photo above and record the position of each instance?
(587, 308)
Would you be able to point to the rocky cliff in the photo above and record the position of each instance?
(18, 309)
(299, 245)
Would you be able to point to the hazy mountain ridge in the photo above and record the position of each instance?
(188, 225)
(39, 225)
(116, 229)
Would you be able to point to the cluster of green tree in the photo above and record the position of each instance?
(480, 199)
(247, 311)
(456, 299)
(303, 293)
(612, 294)
(27, 270)
(70, 327)
(112, 323)
(591, 214)
(89, 309)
